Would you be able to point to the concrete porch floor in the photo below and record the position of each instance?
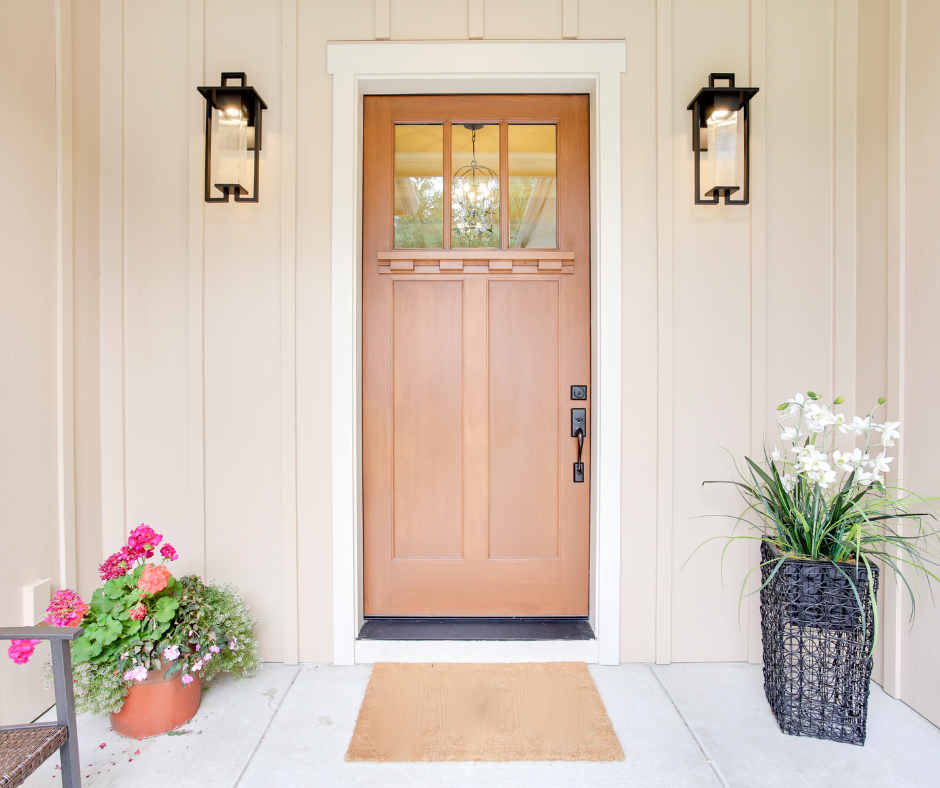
(679, 725)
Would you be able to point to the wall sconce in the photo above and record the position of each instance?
(233, 139)
(720, 128)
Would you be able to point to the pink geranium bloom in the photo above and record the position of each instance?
(66, 609)
(21, 650)
(154, 579)
(169, 552)
(138, 611)
(117, 565)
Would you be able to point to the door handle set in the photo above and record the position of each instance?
(578, 430)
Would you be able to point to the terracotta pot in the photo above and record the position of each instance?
(157, 705)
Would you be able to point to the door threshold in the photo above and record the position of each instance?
(452, 628)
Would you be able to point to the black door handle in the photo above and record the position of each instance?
(578, 430)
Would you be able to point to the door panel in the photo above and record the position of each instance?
(523, 377)
(427, 359)
(468, 356)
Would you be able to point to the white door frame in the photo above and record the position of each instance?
(384, 67)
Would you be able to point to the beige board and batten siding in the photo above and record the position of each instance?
(735, 289)
(29, 511)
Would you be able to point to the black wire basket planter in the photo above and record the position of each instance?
(817, 645)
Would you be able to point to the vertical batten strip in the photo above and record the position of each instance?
(113, 466)
(665, 331)
(845, 159)
(474, 18)
(288, 310)
(569, 19)
(844, 156)
(758, 209)
(196, 287)
(894, 629)
(383, 19)
(64, 297)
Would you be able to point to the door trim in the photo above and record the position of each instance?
(476, 67)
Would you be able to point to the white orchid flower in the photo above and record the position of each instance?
(791, 434)
(838, 420)
(799, 400)
(881, 463)
(775, 454)
(889, 431)
(860, 426)
(818, 415)
(822, 477)
(815, 461)
(844, 460)
(865, 479)
(788, 481)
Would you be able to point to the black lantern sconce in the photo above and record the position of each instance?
(233, 139)
(720, 128)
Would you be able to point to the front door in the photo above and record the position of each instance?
(476, 327)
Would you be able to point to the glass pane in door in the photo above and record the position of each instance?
(419, 187)
(475, 195)
(532, 205)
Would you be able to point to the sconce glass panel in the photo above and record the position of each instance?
(724, 163)
(231, 163)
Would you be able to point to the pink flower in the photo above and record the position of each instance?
(171, 652)
(136, 674)
(214, 649)
(187, 679)
(117, 565)
(142, 542)
(197, 666)
(138, 611)
(169, 552)
(154, 579)
(232, 642)
(21, 650)
(66, 609)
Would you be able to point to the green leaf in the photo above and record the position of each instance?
(114, 588)
(84, 649)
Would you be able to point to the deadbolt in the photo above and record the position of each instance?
(579, 392)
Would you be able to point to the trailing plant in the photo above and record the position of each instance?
(816, 501)
(144, 619)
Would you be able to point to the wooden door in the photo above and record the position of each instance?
(473, 335)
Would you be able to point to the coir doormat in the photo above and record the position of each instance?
(531, 711)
